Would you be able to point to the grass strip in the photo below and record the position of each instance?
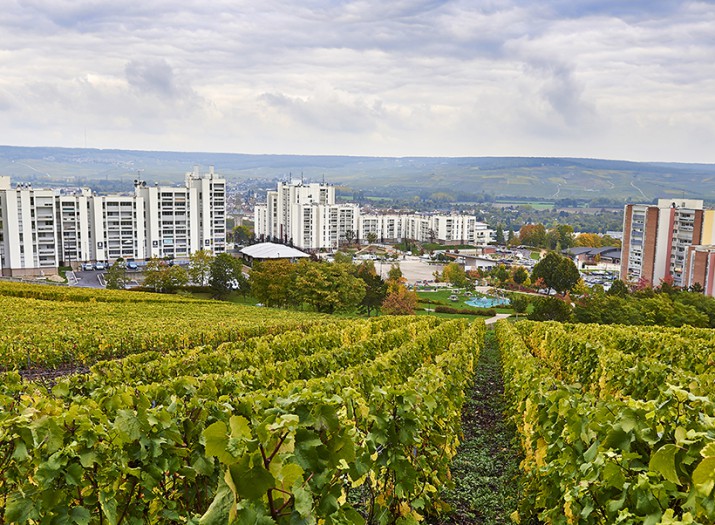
(486, 468)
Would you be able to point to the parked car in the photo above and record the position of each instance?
(131, 265)
(100, 266)
(88, 267)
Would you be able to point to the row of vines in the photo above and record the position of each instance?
(54, 327)
(617, 424)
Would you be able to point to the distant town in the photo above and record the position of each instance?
(44, 229)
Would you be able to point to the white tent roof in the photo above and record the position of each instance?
(269, 250)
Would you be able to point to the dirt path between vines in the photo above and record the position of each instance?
(486, 467)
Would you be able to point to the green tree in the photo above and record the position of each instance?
(500, 234)
(550, 309)
(696, 287)
(520, 275)
(343, 258)
(154, 274)
(371, 237)
(241, 234)
(328, 287)
(200, 267)
(454, 274)
(501, 274)
(225, 273)
(244, 285)
(349, 236)
(702, 303)
(395, 274)
(560, 237)
(116, 276)
(175, 277)
(558, 273)
(607, 240)
(375, 287)
(273, 282)
(618, 288)
(552, 240)
(519, 302)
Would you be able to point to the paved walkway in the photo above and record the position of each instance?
(494, 319)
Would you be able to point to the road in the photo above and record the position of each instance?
(84, 279)
(640, 190)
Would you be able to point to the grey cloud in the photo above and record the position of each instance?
(87, 15)
(564, 95)
(427, 74)
(629, 10)
(153, 76)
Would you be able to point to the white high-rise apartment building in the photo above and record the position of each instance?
(42, 229)
(74, 231)
(307, 216)
(211, 207)
(29, 223)
(117, 227)
(446, 229)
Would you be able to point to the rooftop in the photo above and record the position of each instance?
(269, 250)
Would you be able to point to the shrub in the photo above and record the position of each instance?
(489, 312)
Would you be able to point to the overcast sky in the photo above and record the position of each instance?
(629, 79)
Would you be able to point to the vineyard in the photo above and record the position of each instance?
(617, 424)
(202, 412)
(122, 408)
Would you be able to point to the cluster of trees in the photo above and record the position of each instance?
(331, 287)
(552, 272)
(559, 237)
(662, 306)
(519, 215)
(221, 274)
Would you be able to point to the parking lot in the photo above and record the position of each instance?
(95, 278)
(85, 279)
(413, 268)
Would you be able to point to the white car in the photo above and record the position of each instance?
(100, 266)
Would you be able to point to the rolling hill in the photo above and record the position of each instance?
(530, 177)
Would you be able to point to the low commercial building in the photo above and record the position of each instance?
(607, 257)
(265, 251)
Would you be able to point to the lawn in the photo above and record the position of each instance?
(441, 297)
